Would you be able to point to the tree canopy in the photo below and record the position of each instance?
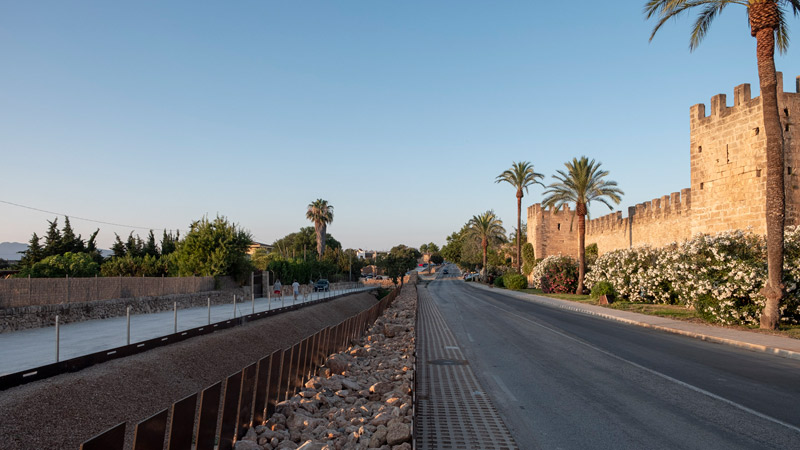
(398, 261)
(214, 248)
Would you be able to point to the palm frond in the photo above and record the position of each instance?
(520, 176)
(583, 182)
(671, 9)
(795, 4)
(703, 23)
(782, 33)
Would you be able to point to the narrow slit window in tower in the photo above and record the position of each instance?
(701, 186)
(559, 226)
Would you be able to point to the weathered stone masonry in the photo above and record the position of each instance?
(728, 184)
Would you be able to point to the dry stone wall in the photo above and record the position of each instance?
(728, 184)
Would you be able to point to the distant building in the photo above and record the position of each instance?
(368, 254)
(257, 245)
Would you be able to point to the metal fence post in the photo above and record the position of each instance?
(175, 308)
(234, 306)
(67, 288)
(128, 315)
(58, 337)
(209, 310)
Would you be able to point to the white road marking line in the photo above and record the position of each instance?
(469, 336)
(504, 388)
(659, 374)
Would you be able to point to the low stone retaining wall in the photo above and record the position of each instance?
(22, 318)
(360, 400)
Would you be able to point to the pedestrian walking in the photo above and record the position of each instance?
(277, 288)
(295, 289)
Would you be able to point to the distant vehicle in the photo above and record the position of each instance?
(419, 265)
(445, 271)
(380, 277)
(368, 276)
(322, 285)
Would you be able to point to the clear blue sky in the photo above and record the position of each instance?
(400, 114)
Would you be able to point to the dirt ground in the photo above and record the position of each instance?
(64, 411)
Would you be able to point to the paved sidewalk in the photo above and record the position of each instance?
(453, 410)
(26, 349)
(777, 345)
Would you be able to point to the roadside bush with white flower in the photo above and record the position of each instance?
(719, 275)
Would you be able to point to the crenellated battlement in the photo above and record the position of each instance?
(727, 157)
(741, 98)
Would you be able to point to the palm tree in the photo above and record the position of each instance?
(582, 183)
(487, 227)
(768, 26)
(520, 175)
(321, 213)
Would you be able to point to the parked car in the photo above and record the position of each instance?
(322, 285)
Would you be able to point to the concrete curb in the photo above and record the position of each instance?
(567, 305)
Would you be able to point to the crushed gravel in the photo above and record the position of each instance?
(64, 411)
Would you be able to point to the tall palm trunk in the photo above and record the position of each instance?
(519, 231)
(321, 231)
(764, 20)
(580, 210)
(485, 245)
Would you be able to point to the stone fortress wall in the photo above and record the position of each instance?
(728, 184)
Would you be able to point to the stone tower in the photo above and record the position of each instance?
(728, 161)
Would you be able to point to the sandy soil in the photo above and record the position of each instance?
(64, 411)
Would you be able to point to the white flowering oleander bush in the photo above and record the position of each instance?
(790, 307)
(720, 275)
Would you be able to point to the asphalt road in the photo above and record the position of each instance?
(563, 380)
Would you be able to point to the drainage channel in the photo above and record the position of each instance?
(452, 410)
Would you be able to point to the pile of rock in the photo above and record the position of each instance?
(361, 399)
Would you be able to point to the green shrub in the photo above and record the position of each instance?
(58, 266)
(528, 255)
(498, 282)
(603, 288)
(591, 255)
(515, 281)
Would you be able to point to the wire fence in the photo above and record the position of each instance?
(216, 417)
(20, 292)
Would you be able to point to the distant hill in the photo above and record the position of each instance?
(8, 251)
